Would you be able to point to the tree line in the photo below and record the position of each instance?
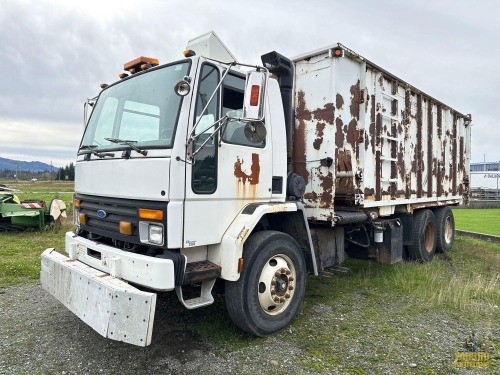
(66, 173)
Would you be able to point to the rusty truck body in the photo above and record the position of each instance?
(208, 169)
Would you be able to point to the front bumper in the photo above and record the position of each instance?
(153, 273)
(110, 306)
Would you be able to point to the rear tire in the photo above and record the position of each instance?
(445, 229)
(424, 236)
(270, 290)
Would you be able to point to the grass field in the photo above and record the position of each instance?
(478, 220)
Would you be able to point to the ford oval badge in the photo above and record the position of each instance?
(101, 214)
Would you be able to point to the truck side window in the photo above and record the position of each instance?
(232, 106)
(204, 175)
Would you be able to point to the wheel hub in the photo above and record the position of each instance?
(276, 284)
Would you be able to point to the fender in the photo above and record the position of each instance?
(230, 249)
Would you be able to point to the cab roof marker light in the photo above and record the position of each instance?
(336, 52)
(188, 53)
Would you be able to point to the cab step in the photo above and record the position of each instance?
(204, 272)
(200, 271)
(204, 299)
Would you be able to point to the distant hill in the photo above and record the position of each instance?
(25, 166)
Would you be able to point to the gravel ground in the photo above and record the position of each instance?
(39, 336)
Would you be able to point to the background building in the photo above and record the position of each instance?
(485, 180)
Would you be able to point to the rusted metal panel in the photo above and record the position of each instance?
(430, 155)
(402, 146)
(418, 148)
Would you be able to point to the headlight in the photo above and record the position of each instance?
(155, 234)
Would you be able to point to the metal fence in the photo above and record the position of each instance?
(485, 194)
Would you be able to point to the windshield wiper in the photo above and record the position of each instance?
(98, 154)
(128, 143)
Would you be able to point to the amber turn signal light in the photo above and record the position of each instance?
(126, 227)
(82, 218)
(145, 213)
(241, 265)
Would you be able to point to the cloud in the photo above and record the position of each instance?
(55, 53)
(48, 141)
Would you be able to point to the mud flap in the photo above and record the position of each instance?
(113, 308)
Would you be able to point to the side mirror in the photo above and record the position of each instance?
(255, 90)
(89, 103)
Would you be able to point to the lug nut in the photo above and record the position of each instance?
(273, 282)
(290, 287)
(282, 300)
(287, 295)
(288, 272)
(291, 278)
(283, 270)
(277, 274)
(276, 299)
(273, 292)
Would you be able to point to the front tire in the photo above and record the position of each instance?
(270, 290)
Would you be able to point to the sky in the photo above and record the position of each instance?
(54, 54)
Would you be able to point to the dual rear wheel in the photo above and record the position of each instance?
(433, 231)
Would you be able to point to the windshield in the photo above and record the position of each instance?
(142, 110)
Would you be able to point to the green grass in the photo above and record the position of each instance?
(20, 250)
(478, 220)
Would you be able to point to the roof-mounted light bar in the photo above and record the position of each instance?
(137, 65)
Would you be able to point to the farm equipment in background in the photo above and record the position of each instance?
(29, 214)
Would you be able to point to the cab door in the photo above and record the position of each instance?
(229, 170)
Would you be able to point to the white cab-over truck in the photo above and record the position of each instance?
(206, 168)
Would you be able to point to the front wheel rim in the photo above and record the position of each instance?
(276, 286)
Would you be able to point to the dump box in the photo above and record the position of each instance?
(392, 144)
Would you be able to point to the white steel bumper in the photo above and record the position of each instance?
(110, 306)
(151, 272)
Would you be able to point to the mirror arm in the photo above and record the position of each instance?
(221, 123)
(210, 100)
